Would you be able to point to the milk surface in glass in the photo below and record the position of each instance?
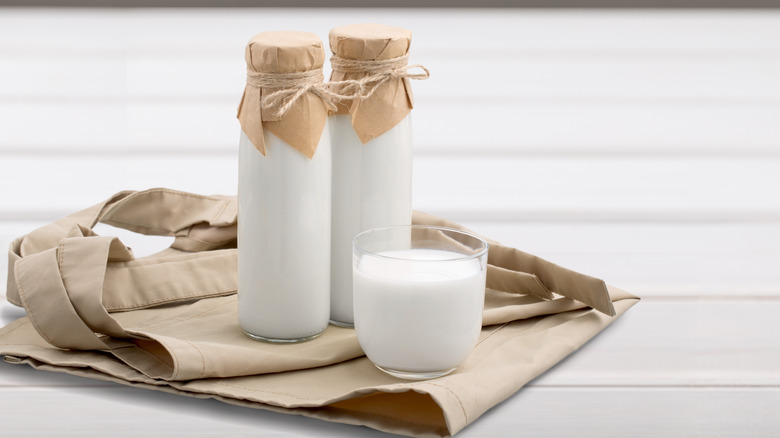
(418, 310)
(283, 239)
(372, 187)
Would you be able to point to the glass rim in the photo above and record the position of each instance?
(480, 253)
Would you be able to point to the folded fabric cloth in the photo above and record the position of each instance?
(168, 321)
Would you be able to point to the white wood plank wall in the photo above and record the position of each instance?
(642, 147)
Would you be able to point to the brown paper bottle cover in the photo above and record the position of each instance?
(392, 101)
(282, 53)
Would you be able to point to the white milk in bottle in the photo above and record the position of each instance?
(371, 137)
(284, 191)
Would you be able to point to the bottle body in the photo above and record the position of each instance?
(284, 226)
(372, 187)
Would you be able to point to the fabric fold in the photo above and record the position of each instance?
(94, 310)
(512, 270)
(353, 391)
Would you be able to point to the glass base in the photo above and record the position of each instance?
(342, 324)
(413, 375)
(281, 341)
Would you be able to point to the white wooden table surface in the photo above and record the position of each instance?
(641, 147)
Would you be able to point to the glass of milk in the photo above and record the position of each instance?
(418, 297)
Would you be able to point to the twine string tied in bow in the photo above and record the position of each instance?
(378, 72)
(292, 86)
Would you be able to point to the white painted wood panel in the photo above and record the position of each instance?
(568, 82)
(666, 260)
(690, 342)
(642, 147)
(571, 237)
(536, 127)
(568, 77)
(534, 412)
(714, 31)
(634, 412)
(464, 187)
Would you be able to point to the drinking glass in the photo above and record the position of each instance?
(418, 297)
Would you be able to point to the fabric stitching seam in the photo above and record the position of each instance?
(5, 335)
(462, 408)
(30, 316)
(265, 391)
(492, 332)
(206, 242)
(202, 359)
(221, 210)
(175, 319)
(150, 355)
(199, 295)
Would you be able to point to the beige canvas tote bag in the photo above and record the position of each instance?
(168, 321)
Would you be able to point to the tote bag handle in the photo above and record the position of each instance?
(68, 278)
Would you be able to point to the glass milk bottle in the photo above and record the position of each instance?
(284, 190)
(371, 136)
